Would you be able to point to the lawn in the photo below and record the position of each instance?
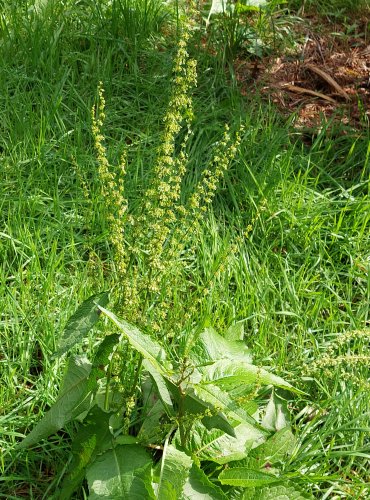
(280, 254)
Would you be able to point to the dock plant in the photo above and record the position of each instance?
(165, 408)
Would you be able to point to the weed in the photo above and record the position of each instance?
(151, 246)
(290, 275)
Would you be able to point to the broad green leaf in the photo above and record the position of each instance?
(101, 359)
(235, 332)
(110, 399)
(105, 350)
(123, 472)
(211, 346)
(74, 398)
(246, 478)
(277, 448)
(174, 472)
(157, 403)
(81, 322)
(153, 430)
(227, 373)
(144, 344)
(276, 416)
(220, 400)
(125, 439)
(250, 5)
(161, 387)
(206, 411)
(252, 464)
(92, 438)
(222, 448)
(199, 487)
(286, 491)
(218, 421)
(270, 455)
(244, 396)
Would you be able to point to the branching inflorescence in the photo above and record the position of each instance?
(149, 246)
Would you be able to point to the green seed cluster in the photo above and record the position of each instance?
(112, 186)
(150, 246)
(349, 364)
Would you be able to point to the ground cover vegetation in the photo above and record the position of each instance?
(184, 277)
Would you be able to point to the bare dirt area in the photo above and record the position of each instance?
(326, 76)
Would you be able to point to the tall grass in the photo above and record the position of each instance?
(285, 250)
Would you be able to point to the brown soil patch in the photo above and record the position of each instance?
(327, 76)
